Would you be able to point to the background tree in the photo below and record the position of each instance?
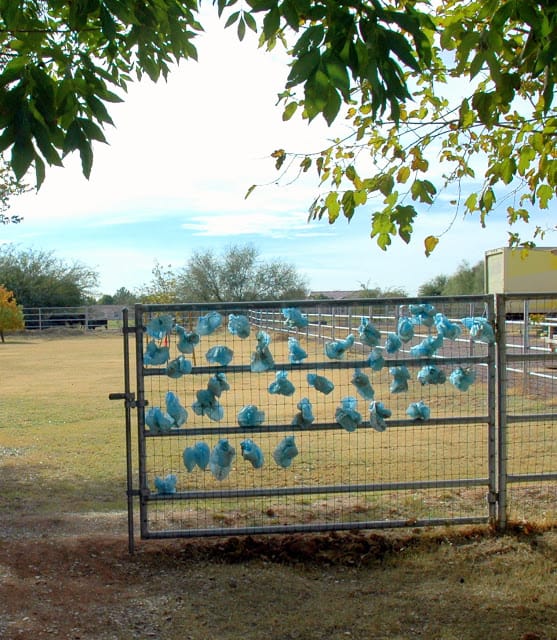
(11, 314)
(163, 288)
(433, 287)
(121, 297)
(40, 279)
(237, 274)
(466, 280)
(9, 188)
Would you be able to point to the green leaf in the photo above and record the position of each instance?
(249, 191)
(508, 170)
(86, 154)
(304, 67)
(385, 184)
(348, 204)
(471, 202)
(250, 21)
(289, 110)
(382, 228)
(271, 22)
(108, 26)
(332, 205)
(545, 193)
(23, 154)
(241, 29)
(332, 106)
(232, 19)
(423, 190)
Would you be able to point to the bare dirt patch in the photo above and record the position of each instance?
(71, 577)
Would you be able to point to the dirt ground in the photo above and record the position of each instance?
(71, 577)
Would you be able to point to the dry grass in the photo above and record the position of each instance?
(65, 571)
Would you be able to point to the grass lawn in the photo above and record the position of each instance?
(65, 571)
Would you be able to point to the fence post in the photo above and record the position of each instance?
(501, 413)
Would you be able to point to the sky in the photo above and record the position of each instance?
(173, 180)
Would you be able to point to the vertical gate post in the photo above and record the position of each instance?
(492, 392)
(129, 404)
(502, 381)
(143, 489)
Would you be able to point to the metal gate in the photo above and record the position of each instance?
(312, 416)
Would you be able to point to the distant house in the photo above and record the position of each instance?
(334, 295)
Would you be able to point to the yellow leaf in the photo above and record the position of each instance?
(430, 243)
(403, 175)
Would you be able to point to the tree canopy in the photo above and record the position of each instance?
(466, 280)
(237, 274)
(38, 278)
(389, 66)
(11, 314)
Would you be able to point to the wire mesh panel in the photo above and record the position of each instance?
(314, 415)
(528, 453)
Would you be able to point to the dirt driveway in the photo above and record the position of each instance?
(72, 578)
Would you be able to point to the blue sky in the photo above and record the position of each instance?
(174, 177)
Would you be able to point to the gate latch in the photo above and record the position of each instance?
(129, 399)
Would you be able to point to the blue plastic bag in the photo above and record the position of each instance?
(250, 416)
(375, 360)
(252, 453)
(377, 415)
(418, 411)
(369, 335)
(462, 378)
(159, 327)
(282, 385)
(361, 381)
(422, 314)
(220, 460)
(347, 416)
(337, 349)
(304, 417)
(187, 341)
(157, 421)
(480, 329)
(393, 343)
(285, 452)
(405, 329)
(217, 384)
(295, 352)
(166, 484)
(262, 359)
(430, 374)
(320, 383)
(209, 323)
(238, 325)
(178, 367)
(400, 379)
(155, 355)
(294, 318)
(446, 328)
(427, 347)
(197, 455)
(219, 355)
(207, 405)
(175, 410)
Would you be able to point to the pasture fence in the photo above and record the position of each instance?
(236, 434)
(87, 317)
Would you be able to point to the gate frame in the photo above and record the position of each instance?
(497, 418)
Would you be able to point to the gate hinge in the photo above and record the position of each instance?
(129, 400)
(493, 497)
